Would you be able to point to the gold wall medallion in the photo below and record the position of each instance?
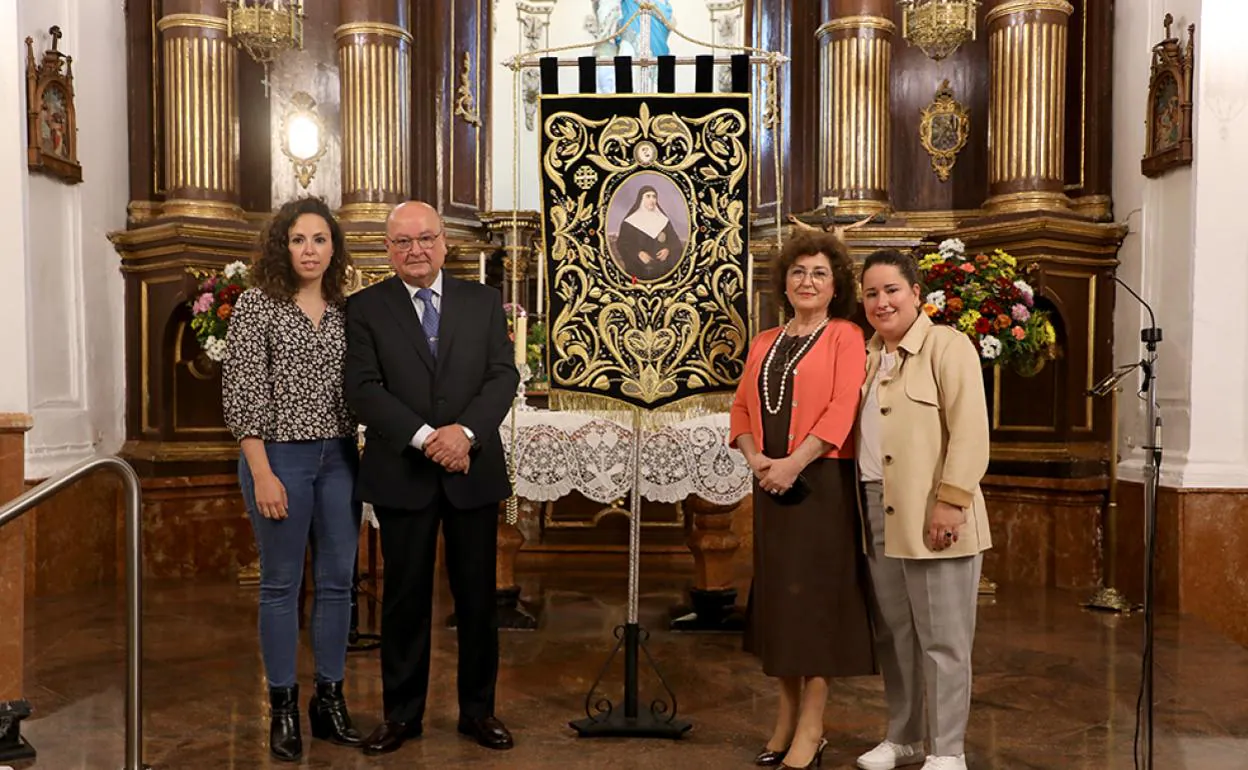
(944, 127)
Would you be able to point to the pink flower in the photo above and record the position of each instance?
(203, 304)
(210, 284)
(1018, 332)
(1020, 313)
(967, 267)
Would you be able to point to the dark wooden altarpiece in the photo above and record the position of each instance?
(1051, 442)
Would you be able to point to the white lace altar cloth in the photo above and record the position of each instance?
(563, 452)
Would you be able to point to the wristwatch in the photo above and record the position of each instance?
(472, 437)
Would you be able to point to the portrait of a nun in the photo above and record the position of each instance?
(648, 245)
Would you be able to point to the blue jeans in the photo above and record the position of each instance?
(319, 477)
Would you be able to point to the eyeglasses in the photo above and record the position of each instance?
(403, 244)
(819, 276)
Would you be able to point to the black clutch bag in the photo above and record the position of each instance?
(794, 494)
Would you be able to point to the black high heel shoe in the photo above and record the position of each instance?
(816, 761)
(327, 713)
(769, 758)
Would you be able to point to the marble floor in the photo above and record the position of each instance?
(1055, 687)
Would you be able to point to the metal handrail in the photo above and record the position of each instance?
(134, 580)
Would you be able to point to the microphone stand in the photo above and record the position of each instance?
(1150, 336)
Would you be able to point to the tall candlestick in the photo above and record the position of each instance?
(522, 345)
(541, 281)
(481, 268)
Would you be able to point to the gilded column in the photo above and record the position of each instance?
(374, 66)
(200, 111)
(1027, 104)
(855, 57)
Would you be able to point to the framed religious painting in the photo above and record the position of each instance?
(1168, 133)
(51, 121)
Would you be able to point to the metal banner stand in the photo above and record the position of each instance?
(602, 718)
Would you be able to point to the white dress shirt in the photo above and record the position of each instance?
(426, 430)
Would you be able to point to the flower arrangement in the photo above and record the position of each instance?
(983, 297)
(213, 304)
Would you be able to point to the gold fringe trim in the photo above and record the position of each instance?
(623, 413)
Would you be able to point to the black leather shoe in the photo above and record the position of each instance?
(816, 761)
(327, 713)
(285, 743)
(769, 758)
(490, 732)
(389, 736)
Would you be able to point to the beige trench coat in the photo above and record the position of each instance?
(935, 439)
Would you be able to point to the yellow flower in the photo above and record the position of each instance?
(1047, 334)
(1006, 258)
(930, 309)
(966, 323)
(931, 259)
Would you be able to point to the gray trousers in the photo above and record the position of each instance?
(925, 630)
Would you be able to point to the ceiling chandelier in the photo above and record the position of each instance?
(265, 29)
(938, 27)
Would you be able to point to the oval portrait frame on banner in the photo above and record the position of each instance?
(648, 226)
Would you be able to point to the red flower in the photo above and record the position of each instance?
(983, 325)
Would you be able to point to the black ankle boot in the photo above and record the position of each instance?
(327, 712)
(285, 742)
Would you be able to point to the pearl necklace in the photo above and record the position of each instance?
(788, 367)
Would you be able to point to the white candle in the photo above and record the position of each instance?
(522, 345)
(541, 282)
(481, 268)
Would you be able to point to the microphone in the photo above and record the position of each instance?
(1150, 335)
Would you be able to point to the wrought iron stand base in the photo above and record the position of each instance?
(644, 725)
(12, 752)
(603, 719)
(709, 611)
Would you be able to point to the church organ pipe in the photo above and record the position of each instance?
(375, 65)
(855, 60)
(200, 111)
(1027, 47)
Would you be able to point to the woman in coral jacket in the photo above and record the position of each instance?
(808, 616)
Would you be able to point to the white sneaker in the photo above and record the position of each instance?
(889, 755)
(945, 763)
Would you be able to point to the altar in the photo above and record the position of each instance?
(686, 465)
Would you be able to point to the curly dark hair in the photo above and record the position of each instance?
(804, 244)
(271, 270)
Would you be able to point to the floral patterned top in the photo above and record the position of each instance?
(282, 377)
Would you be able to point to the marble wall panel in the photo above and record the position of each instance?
(12, 557)
(72, 539)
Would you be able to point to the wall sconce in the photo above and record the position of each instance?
(303, 136)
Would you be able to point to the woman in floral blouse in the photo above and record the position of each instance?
(283, 398)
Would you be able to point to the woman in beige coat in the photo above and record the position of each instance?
(923, 448)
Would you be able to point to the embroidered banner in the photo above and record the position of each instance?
(646, 228)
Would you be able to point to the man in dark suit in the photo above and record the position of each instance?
(430, 371)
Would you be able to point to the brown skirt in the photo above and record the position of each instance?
(807, 613)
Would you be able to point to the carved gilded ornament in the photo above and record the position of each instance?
(944, 127)
(465, 103)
